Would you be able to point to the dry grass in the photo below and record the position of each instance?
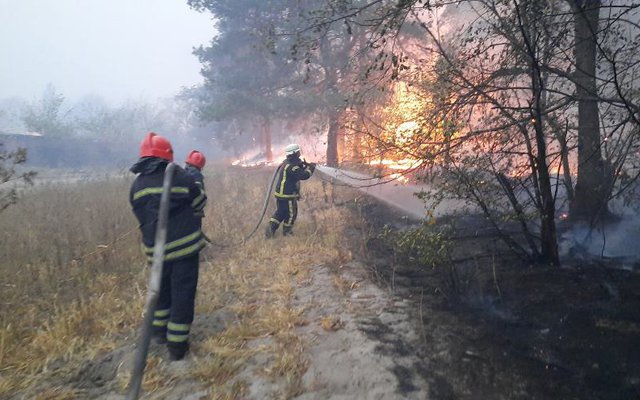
(58, 393)
(73, 282)
(257, 281)
(331, 323)
(156, 377)
(66, 279)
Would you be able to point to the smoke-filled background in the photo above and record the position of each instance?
(82, 81)
(443, 96)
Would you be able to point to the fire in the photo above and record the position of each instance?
(399, 177)
(403, 165)
(397, 164)
(252, 159)
(244, 164)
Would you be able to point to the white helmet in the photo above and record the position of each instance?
(291, 149)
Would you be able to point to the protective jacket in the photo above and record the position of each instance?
(195, 174)
(184, 236)
(291, 173)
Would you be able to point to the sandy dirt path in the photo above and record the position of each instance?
(359, 339)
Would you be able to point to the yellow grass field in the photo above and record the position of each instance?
(73, 281)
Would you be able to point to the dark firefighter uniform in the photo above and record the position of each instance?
(195, 174)
(174, 312)
(287, 193)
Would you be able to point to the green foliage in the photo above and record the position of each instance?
(425, 245)
(10, 177)
(44, 116)
(431, 246)
(244, 67)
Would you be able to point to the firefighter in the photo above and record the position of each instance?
(287, 191)
(173, 314)
(193, 166)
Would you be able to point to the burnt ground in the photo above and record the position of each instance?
(497, 327)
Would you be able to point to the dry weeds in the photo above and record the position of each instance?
(73, 284)
(331, 323)
(256, 281)
(70, 255)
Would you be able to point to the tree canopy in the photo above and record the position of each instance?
(523, 107)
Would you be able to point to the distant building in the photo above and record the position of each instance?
(69, 152)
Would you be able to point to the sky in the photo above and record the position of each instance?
(117, 49)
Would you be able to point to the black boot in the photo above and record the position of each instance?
(271, 230)
(177, 351)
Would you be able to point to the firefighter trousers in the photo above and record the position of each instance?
(286, 214)
(173, 315)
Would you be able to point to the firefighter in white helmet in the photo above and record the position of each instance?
(287, 190)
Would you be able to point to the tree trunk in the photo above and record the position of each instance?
(332, 139)
(548, 235)
(566, 167)
(266, 138)
(592, 186)
(546, 202)
(356, 144)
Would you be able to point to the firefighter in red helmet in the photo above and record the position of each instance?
(193, 166)
(173, 314)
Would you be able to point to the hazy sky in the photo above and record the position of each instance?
(118, 49)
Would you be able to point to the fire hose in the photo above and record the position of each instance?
(262, 214)
(266, 202)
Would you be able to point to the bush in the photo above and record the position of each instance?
(424, 245)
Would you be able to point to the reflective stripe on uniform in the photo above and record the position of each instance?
(177, 338)
(178, 332)
(286, 196)
(280, 193)
(179, 327)
(199, 202)
(182, 252)
(186, 251)
(158, 190)
(176, 243)
(161, 317)
(275, 221)
(161, 313)
(290, 220)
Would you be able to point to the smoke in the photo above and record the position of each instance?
(613, 240)
(313, 149)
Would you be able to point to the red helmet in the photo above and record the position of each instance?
(154, 145)
(196, 159)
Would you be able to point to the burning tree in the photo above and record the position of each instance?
(515, 99)
(257, 69)
(502, 102)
